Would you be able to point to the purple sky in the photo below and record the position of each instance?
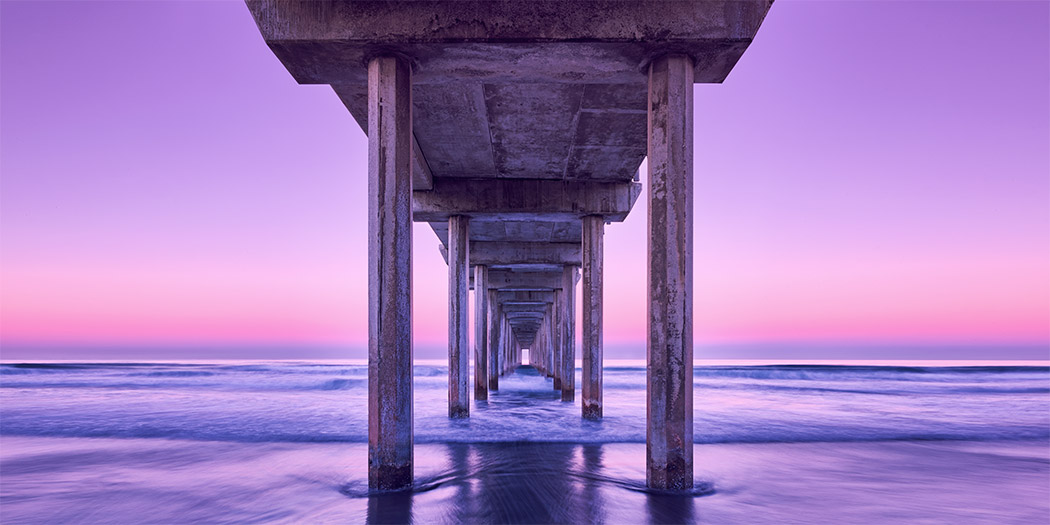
(873, 177)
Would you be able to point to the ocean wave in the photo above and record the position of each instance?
(1029, 434)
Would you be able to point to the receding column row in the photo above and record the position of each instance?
(669, 446)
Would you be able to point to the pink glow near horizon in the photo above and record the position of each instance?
(868, 172)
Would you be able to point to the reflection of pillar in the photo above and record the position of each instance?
(389, 507)
(458, 317)
(669, 443)
(568, 359)
(481, 332)
(593, 247)
(495, 322)
(592, 492)
(389, 273)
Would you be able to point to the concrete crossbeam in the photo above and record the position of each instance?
(523, 199)
(579, 41)
(509, 279)
(511, 253)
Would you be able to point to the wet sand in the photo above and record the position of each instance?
(77, 480)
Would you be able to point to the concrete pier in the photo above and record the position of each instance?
(495, 320)
(530, 119)
(458, 317)
(593, 248)
(481, 333)
(568, 357)
(558, 349)
(389, 273)
(669, 346)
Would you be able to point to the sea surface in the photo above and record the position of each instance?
(283, 441)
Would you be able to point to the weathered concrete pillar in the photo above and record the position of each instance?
(568, 359)
(669, 443)
(481, 333)
(552, 342)
(495, 320)
(593, 249)
(505, 351)
(556, 330)
(458, 316)
(389, 273)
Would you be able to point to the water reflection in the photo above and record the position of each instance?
(525, 483)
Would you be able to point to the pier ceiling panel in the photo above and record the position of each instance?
(524, 130)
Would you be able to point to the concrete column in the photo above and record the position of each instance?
(556, 331)
(495, 318)
(551, 341)
(568, 359)
(540, 362)
(458, 316)
(593, 249)
(389, 273)
(669, 442)
(481, 333)
(504, 354)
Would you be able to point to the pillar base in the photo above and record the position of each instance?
(592, 411)
(458, 412)
(568, 395)
(481, 395)
(673, 477)
(493, 384)
(557, 383)
(389, 477)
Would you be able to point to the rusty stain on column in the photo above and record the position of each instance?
(593, 249)
(389, 273)
(669, 348)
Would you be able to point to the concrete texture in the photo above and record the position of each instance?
(481, 334)
(669, 448)
(535, 200)
(568, 340)
(529, 119)
(458, 317)
(593, 260)
(389, 274)
(495, 320)
(557, 352)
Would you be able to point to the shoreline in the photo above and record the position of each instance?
(160, 479)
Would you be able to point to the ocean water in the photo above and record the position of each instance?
(286, 442)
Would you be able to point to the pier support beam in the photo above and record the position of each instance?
(495, 332)
(556, 340)
(389, 273)
(548, 341)
(593, 249)
(458, 317)
(669, 348)
(568, 359)
(481, 333)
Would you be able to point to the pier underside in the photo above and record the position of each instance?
(516, 130)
